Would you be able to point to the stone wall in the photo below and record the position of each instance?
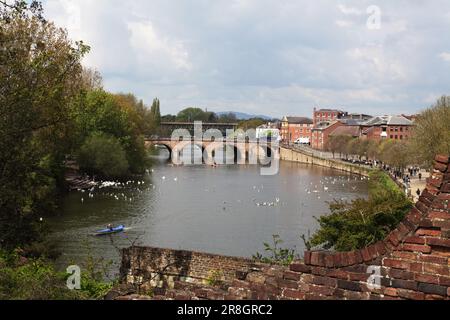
(155, 267)
(303, 157)
(411, 263)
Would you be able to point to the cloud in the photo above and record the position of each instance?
(265, 56)
(349, 10)
(151, 48)
(344, 23)
(445, 56)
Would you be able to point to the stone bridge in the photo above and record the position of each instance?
(412, 263)
(244, 151)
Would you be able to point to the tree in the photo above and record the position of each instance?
(91, 79)
(119, 116)
(251, 124)
(432, 132)
(10, 10)
(156, 112)
(196, 114)
(332, 145)
(228, 118)
(352, 147)
(103, 155)
(40, 74)
(373, 150)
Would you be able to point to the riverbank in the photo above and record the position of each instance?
(302, 156)
(75, 180)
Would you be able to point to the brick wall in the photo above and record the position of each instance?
(155, 267)
(411, 263)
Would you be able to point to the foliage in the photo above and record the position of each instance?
(432, 132)
(196, 114)
(357, 224)
(228, 118)
(251, 124)
(10, 10)
(22, 279)
(120, 116)
(338, 144)
(40, 73)
(36, 279)
(93, 283)
(214, 278)
(276, 255)
(103, 155)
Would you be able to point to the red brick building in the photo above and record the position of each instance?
(327, 115)
(321, 134)
(388, 127)
(296, 129)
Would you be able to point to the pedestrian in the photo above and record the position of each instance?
(418, 192)
(420, 175)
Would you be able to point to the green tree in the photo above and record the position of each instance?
(196, 114)
(228, 118)
(119, 116)
(251, 124)
(432, 132)
(157, 113)
(40, 74)
(103, 155)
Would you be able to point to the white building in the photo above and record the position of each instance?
(266, 131)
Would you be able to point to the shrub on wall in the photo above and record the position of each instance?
(362, 222)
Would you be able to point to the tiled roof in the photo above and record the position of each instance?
(298, 120)
(353, 131)
(330, 110)
(389, 120)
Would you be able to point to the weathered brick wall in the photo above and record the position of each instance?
(411, 263)
(162, 267)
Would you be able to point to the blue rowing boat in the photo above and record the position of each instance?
(110, 231)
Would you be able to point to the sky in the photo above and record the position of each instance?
(272, 57)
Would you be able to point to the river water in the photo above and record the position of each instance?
(229, 210)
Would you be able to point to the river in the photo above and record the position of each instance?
(229, 210)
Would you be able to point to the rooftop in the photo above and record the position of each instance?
(353, 131)
(330, 110)
(324, 125)
(298, 120)
(389, 120)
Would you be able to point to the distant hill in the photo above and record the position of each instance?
(245, 116)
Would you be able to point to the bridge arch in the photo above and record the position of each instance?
(261, 154)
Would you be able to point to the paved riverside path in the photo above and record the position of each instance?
(415, 184)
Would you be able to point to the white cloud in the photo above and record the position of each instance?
(265, 56)
(151, 47)
(344, 23)
(445, 56)
(349, 10)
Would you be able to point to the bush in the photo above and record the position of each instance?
(22, 279)
(36, 279)
(103, 155)
(357, 224)
(276, 255)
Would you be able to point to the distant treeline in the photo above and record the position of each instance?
(197, 114)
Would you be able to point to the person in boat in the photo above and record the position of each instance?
(110, 227)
